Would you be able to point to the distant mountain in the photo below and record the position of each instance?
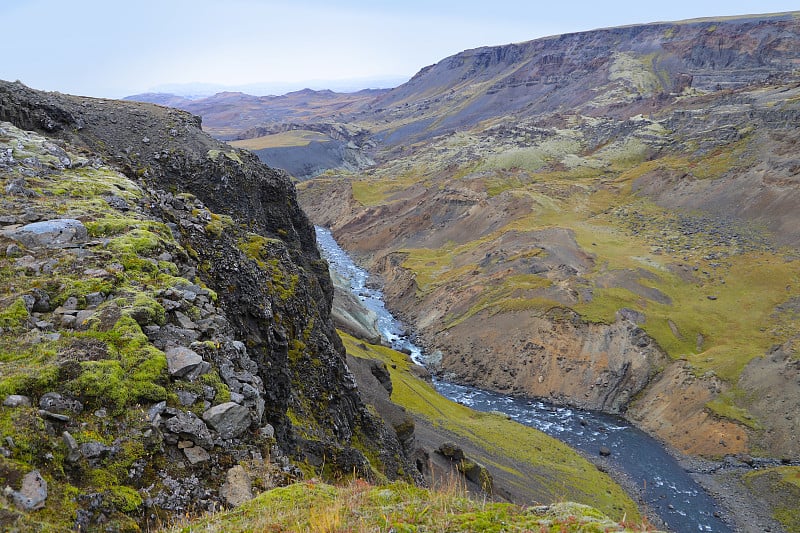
(193, 91)
(227, 114)
(614, 71)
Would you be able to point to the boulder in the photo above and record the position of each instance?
(477, 473)
(182, 361)
(229, 419)
(73, 450)
(237, 488)
(33, 493)
(50, 233)
(95, 450)
(452, 451)
(17, 400)
(53, 402)
(196, 454)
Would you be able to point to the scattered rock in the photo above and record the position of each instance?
(237, 488)
(33, 493)
(186, 398)
(54, 416)
(477, 473)
(267, 432)
(196, 454)
(50, 233)
(13, 250)
(118, 203)
(56, 403)
(452, 451)
(605, 451)
(17, 400)
(228, 419)
(95, 450)
(181, 361)
(73, 450)
(188, 425)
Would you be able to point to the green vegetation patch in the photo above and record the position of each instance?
(397, 507)
(281, 140)
(533, 158)
(725, 405)
(266, 253)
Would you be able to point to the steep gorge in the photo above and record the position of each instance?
(603, 219)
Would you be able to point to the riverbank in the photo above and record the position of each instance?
(740, 508)
(524, 466)
(670, 504)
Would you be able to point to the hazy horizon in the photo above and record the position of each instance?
(97, 48)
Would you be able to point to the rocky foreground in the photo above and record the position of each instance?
(164, 324)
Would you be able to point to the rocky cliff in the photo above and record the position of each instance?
(603, 72)
(165, 323)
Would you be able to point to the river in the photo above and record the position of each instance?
(665, 486)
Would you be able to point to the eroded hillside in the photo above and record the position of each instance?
(603, 219)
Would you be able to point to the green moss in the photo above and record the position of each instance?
(15, 315)
(103, 381)
(223, 392)
(28, 431)
(218, 224)
(265, 252)
(135, 372)
(146, 310)
(125, 499)
(88, 182)
(31, 380)
(136, 242)
(79, 288)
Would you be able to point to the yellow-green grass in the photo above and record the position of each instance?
(737, 324)
(725, 405)
(371, 192)
(711, 165)
(434, 267)
(507, 296)
(281, 140)
(360, 508)
(563, 474)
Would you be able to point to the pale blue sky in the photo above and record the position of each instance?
(112, 48)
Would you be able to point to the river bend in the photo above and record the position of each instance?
(664, 485)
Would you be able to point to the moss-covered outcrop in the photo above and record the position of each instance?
(164, 317)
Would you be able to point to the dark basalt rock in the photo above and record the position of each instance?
(263, 342)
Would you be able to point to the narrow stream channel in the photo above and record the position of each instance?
(666, 487)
